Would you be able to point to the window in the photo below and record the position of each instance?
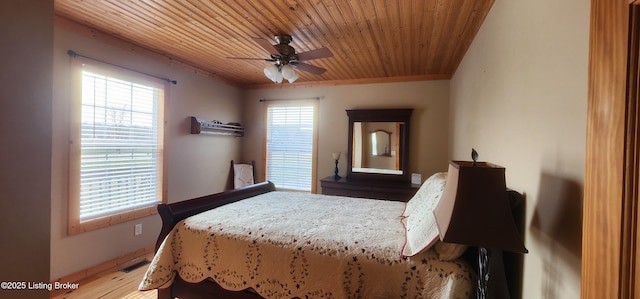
(290, 147)
(116, 155)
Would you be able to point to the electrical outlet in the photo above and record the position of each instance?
(138, 229)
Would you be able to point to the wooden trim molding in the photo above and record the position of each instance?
(608, 224)
(632, 161)
(116, 264)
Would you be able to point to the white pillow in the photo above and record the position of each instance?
(420, 226)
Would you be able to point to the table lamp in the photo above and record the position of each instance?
(336, 157)
(474, 210)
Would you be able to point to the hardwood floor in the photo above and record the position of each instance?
(117, 284)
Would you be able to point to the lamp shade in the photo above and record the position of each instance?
(278, 77)
(270, 72)
(289, 73)
(293, 77)
(474, 208)
(273, 73)
(336, 155)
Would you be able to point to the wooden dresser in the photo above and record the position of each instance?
(389, 190)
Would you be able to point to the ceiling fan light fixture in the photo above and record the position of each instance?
(293, 78)
(273, 73)
(289, 73)
(285, 58)
(278, 77)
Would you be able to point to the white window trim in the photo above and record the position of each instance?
(76, 226)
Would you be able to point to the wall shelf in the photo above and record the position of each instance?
(202, 126)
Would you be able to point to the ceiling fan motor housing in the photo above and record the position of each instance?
(287, 53)
(283, 39)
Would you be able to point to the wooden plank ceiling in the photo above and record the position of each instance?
(371, 40)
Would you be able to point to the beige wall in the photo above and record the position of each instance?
(520, 98)
(429, 120)
(25, 150)
(197, 164)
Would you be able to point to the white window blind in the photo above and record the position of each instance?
(290, 142)
(121, 157)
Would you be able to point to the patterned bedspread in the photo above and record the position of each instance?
(287, 244)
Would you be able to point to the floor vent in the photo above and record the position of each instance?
(135, 266)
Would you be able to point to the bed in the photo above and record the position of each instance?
(257, 242)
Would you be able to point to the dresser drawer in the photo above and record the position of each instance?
(398, 191)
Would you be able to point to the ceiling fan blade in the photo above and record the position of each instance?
(267, 46)
(315, 54)
(310, 68)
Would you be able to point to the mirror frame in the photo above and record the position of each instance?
(380, 115)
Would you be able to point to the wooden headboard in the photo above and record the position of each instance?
(506, 268)
(514, 261)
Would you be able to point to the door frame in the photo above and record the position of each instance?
(611, 171)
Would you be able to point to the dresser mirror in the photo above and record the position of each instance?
(378, 144)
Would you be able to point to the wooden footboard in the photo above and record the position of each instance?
(205, 289)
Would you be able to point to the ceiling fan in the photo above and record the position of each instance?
(286, 59)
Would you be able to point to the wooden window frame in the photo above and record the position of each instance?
(75, 225)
